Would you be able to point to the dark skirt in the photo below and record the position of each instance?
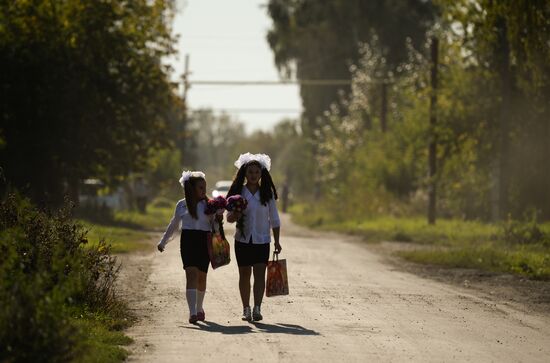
(250, 254)
(194, 249)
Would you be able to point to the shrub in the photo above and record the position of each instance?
(524, 232)
(46, 277)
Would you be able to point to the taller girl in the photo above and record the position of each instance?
(252, 237)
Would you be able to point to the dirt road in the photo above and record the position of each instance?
(345, 304)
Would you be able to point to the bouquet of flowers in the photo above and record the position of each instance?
(236, 203)
(216, 205)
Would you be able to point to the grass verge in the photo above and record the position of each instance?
(129, 231)
(506, 248)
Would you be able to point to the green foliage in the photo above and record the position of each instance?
(85, 91)
(525, 232)
(319, 40)
(492, 119)
(520, 248)
(48, 280)
(529, 262)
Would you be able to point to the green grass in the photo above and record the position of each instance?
(102, 339)
(129, 231)
(157, 216)
(121, 239)
(454, 243)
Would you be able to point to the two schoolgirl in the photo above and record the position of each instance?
(252, 236)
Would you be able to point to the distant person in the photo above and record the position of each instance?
(284, 197)
(195, 227)
(252, 237)
(141, 193)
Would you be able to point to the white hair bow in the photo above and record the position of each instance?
(185, 175)
(263, 159)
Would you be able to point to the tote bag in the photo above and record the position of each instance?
(277, 279)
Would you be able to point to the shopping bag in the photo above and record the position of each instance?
(277, 279)
(218, 249)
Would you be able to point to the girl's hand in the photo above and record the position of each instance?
(160, 248)
(278, 248)
(233, 216)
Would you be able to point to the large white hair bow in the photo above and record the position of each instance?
(186, 174)
(263, 159)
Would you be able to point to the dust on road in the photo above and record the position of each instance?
(345, 304)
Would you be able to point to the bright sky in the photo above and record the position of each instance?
(226, 40)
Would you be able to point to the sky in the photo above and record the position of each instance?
(226, 40)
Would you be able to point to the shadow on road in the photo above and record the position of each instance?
(280, 328)
(217, 328)
(245, 329)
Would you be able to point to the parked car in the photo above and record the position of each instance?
(221, 188)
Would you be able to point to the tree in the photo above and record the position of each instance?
(320, 40)
(84, 91)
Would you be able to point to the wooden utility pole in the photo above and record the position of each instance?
(432, 149)
(503, 56)
(384, 107)
(186, 84)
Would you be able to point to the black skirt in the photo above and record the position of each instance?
(194, 249)
(250, 254)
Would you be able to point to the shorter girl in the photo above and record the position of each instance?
(195, 226)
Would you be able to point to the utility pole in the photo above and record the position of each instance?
(182, 140)
(186, 84)
(432, 149)
(384, 107)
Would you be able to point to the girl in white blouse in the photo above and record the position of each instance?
(252, 237)
(195, 226)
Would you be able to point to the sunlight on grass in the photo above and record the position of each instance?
(130, 230)
(455, 243)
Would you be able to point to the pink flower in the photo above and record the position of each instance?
(236, 203)
(214, 205)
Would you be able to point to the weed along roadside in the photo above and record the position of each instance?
(58, 282)
(57, 289)
(515, 247)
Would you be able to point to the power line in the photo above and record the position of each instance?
(303, 82)
(253, 110)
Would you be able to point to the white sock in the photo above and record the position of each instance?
(191, 295)
(200, 299)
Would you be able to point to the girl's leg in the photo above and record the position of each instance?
(244, 284)
(259, 283)
(191, 275)
(201, 290)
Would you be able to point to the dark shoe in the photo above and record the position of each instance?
(193, 319)
(256, 314)
(201, 316)
(247, 315)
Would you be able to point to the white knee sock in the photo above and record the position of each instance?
(200, 299)
(191, 295)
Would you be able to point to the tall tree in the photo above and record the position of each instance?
(84, 91)
(320, 40)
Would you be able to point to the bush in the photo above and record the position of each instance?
(46, 279)
(524, 232)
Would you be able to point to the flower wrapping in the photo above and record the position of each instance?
(216, 205)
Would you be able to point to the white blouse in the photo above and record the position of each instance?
(186, 221)
(258, 219)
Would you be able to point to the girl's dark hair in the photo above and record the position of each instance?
(267, 188)
(190, 197)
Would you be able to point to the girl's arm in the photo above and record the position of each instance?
(278, 247)
(173, 226)
(275, 223)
